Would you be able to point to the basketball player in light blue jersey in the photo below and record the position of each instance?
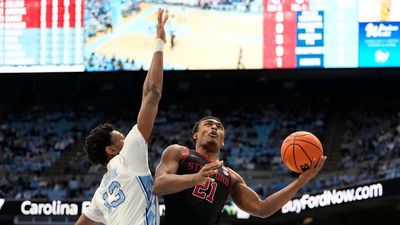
(125, 194)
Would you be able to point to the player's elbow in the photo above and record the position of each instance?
(152, 98)
(262, 215)
(157, 188)
(83, 220)
(153, 95)
(153, 88)
(265, 215)
(262, 212)
(161, 186)
(156, 91)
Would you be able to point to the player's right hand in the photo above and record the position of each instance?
(207, 172)
(315, 167)
(161, 20)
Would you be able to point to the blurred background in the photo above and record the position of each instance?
(266, 68)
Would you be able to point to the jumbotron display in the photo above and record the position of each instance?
(41, 35)
(112, 35)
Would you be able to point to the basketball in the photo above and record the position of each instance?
(299, 149)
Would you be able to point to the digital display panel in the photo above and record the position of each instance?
(113, 35)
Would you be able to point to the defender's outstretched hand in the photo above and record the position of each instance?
(161, 20)
(152, 86)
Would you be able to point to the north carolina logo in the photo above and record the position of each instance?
(381, 56)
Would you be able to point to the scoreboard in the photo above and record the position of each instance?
(41, 35)
(111, 35)
(331, 33)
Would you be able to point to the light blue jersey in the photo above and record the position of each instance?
(125, 195)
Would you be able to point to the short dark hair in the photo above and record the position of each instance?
(96, 143)
(196, 125)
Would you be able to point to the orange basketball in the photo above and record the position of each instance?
(299, 149)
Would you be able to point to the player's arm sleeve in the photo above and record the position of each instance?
(93, 212)
(135, 151)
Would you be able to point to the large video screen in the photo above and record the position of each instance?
(41, 35)
(112, 35)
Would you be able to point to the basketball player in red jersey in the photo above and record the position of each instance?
(196, 184)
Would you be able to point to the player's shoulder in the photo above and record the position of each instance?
(135, 136)
(175, 151)
(136, 131)
(176, 147)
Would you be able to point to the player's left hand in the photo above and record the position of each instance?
(161, 20)
(315, 167)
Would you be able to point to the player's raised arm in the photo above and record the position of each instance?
(166, 180)
(153, 83)
(248, 200)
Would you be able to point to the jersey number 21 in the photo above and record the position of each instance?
(200, 191)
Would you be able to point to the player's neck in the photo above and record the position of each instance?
(210, 154)
(109, 157)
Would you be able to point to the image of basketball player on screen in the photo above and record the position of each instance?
(228, 25)
(195, 183)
